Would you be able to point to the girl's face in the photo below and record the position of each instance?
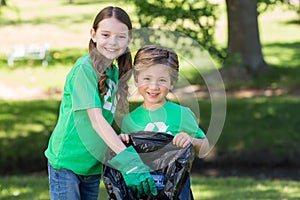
(154, 84)
(111, 38)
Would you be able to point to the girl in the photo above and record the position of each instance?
(75, 151)
(155, 73)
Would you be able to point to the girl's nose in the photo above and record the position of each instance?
(112, 40)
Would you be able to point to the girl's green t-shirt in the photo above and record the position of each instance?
(74, 145)
(171, 118)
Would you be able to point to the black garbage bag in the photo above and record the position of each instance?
(171, 166)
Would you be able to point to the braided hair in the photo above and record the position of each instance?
(124, 61)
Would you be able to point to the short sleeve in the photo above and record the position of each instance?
(85, 89)
(190, 124)
(125, 124)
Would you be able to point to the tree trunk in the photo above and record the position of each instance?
(243, 34)
(3, 3)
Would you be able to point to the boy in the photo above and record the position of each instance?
(155, 74)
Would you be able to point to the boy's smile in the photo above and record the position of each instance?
(154, 84)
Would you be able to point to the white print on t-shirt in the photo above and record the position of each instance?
(157, 126)
(110, 104)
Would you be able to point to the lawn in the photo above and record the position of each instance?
(204, 188)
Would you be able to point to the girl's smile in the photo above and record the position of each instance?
(111, 38)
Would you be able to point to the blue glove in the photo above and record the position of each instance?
(135, 172)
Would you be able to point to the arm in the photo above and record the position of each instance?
(135, 172)
(201, 146)
(105, 131)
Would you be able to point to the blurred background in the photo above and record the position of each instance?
(254, 45)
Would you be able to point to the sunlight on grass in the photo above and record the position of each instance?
(34, 77)
(204, 188)
(30, 188)
(274, 23)
(29, 127)
(22, 187)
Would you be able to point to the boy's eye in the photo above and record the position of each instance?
(122, 36)
(162, 80)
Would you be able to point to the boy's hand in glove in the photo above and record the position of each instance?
(135, 172)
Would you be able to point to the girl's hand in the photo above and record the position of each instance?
(182, 139)
(124, 138)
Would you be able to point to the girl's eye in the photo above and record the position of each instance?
(162, 80)
(105, 35)
(146, 79)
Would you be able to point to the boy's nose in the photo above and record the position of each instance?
(154, 85)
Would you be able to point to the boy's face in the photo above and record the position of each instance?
(111, 37)
(154, 84)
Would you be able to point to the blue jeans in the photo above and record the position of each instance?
(186, 192)
(66, 185)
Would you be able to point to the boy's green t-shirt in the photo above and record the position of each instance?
(171, 118)
(74, 145)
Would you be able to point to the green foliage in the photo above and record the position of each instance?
(9, 9)
(196, 19)
(264, 5)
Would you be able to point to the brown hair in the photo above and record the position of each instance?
(124, 61)
(154, 54)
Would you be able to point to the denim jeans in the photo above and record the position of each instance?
(186, 192)
(66, 185)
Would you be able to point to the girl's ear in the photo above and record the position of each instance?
(171, 87)
(93, 34)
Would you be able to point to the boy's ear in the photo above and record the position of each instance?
(171, 87)
(136, 84)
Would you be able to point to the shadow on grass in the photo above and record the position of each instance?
(24, 133)
(258, 131)
(285, 55)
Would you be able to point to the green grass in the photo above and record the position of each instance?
(261, 124)
(29, 187)
(204, 188)
(238, 188)
(269, 124)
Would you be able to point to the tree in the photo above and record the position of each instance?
(3, 3)
(196, 19)
(243, 35)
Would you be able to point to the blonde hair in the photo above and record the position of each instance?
(150, 55)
